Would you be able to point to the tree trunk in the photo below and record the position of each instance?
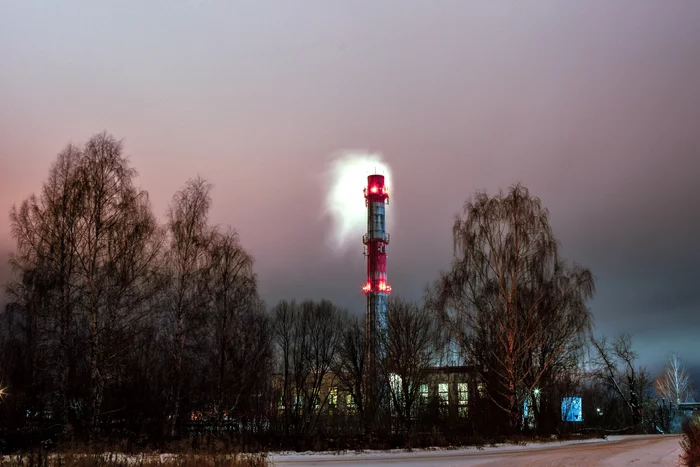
(95, 375)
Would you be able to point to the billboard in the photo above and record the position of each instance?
(571, 409)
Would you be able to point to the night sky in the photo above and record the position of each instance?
(593, 105)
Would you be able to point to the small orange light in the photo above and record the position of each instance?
(374, 189)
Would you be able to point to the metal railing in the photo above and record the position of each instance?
(375, 236)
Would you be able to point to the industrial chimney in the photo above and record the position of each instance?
(377, 289)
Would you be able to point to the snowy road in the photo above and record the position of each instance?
(616, 451)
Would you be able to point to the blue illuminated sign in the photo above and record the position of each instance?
(571, 409)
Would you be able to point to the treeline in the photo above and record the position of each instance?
(117, 324)
(119, 328)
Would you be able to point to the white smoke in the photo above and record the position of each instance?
(345, 179)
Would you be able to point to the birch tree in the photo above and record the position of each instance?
(505, 289)
(117, 249)
(674, 384)
(187, 268)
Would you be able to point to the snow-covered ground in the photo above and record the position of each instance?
(638, 451)
(612, 452)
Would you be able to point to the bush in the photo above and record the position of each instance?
(119, 460)
(690, 443)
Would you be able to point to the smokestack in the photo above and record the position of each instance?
(377, 289)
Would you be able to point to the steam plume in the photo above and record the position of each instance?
(345, 179)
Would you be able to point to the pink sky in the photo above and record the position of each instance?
(595, 106)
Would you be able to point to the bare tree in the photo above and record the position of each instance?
(564, 325)
(116, 257)
(86, 253)
(506, 287)
(82, 334)
(239, 328)
(616, 366)
(308, 336)
(349, 367)
(284, 317)
(45, 262)
(412, 344)
(674, 384)
(325, 324)
(187, 267)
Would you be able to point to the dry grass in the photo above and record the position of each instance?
(144, 460)
(691, 442)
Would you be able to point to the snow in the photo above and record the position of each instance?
(612, 452)
(615, 451)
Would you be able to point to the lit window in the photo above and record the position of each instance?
(443, 393)
(462, 393)
(481, 389)
(424, 391)
(333, 396)
(462, 398)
